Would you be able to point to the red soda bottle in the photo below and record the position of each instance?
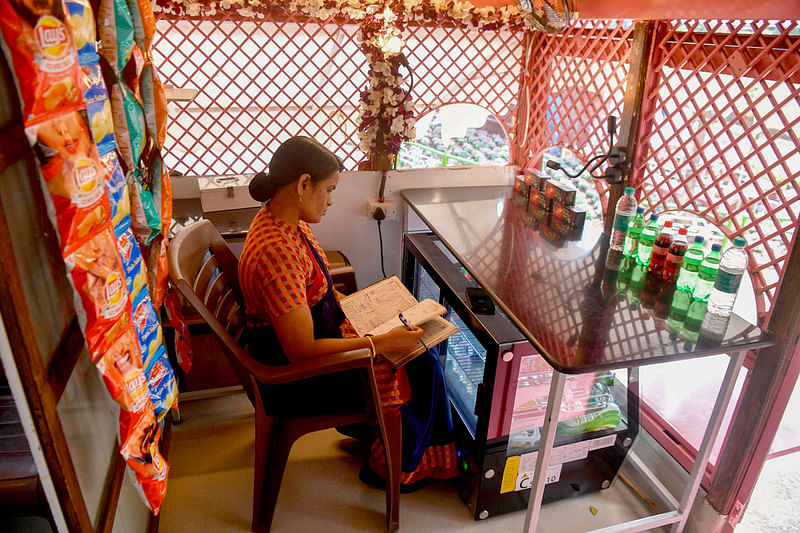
(658, 257)
(675, 257)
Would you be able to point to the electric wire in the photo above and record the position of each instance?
(380, 240)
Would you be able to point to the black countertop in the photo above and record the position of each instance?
(557, 290)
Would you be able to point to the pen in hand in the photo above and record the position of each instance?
(409, 327)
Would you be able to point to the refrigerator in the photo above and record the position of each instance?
(498, 387)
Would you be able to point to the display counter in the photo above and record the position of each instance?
(554, 287)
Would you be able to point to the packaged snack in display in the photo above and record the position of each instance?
(161, 380)
(144, 22)
(156, 260)
(133, 71)
(154, 101)
(132, 262)
(128, 125)
(73, 176)
(148, 328)
(116, 33)
(41, 49)
(140, 449)
(145, 218)
(96, 273)
(83, 30)
(98, 108)
(117, 190)
(122, 371)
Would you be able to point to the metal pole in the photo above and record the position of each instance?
(545, 449)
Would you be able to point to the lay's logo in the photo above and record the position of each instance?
(140, 316)
(85, 175)
(125, 245)
(52, 36)
(113, 288)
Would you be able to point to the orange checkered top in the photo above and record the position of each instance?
(277, 272)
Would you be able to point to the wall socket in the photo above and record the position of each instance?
(388, 206)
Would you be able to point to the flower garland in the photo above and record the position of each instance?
(457, 12)
(386, 116)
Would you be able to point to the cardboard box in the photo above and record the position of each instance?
(536, 179)
(565, 230)
(560, 192)
(521, 185)
(221, 193)
(572, 215)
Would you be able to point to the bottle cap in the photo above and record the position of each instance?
(668, 224)
(699, 238)
(653, 217)
(640, 210)
(629, 190)
(683, 231)
(739, 241)
(716, 247)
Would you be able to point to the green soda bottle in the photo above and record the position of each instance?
(636, 285)
(691, 264)
(634, 232)
(706, 274)
(646, 240)
(694, 319)
(625, 272)
(678, 310)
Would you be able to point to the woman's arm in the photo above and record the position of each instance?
(295, 331)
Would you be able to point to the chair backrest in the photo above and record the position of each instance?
(205, 271)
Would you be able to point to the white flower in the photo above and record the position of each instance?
(398, 126)
(246, 12)
(224, 4)
(193, 9)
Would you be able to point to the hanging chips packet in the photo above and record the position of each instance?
(116, 34)
(73, 175)
(117, 190)
(98, 108)
(122, 371)
(41, 49)
(132, 262)
(154, 102)
(102, 298)
(83, 29)
(144, 22)
(128, 125)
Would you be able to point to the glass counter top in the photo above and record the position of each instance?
(553, 283)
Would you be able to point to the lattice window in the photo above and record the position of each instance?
(722, 130)
(574, 81)
(261, 82)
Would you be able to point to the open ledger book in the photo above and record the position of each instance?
(375, 309)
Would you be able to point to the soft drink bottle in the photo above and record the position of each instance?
(694, 319)
(652, 286)
(636, 285)
(663, 299)
(661, 248)
(678, 309)
(625, 272)
(646, 240)
(634, 232)
(677, 250)
(691, 263)
(626, 208)
(706, 274)
(720, 303)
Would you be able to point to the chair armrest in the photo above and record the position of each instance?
(316, 366)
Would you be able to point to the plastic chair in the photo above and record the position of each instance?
(205, 271)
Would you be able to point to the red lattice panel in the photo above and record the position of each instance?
(573, 82)
(455, 65)
(259, 83)
(720, 135)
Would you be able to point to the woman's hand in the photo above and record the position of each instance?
(397, 340)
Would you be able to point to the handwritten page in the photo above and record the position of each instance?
(375, 305)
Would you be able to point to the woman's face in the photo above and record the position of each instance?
(66, 135)
(314, 203)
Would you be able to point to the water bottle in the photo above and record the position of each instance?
(720, 303)
(658, 257)
(691, 263)
(677, 251)
(648, 237)
(634, 232)
(706, 274)
(626, 208)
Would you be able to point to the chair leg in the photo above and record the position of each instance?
(264, 431)
(280, 444)
(393, 441)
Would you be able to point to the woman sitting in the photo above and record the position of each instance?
(293, 313)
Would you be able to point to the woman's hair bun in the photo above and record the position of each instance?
(262, 187)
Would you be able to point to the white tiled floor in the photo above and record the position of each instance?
(211, 476)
